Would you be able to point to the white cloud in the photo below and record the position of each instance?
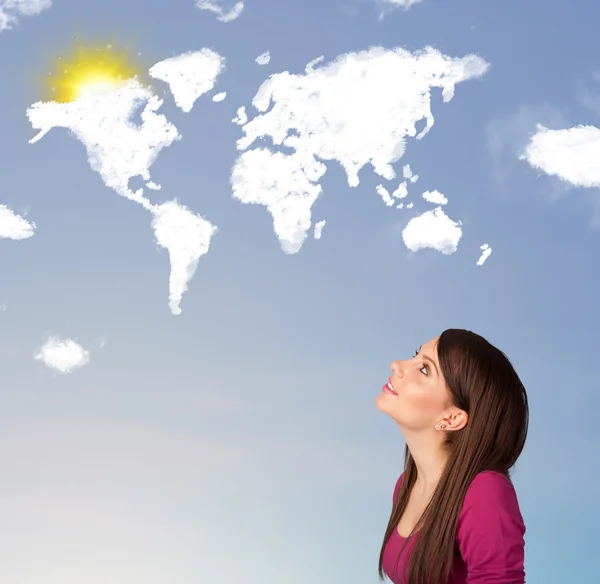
(311, 115)
(120, 150)
(433, 230)
(241, 118)
(401, 192)
(13, 226)
(390, 5)
(435, 197)
(264, 58)
(573, 155)
(219, 96)
(187, 237)
(486, 252)
(401, 3)
(189, 75)
(285, 184)
(223, 15)
(385, 195)
(407, 174)
(319, 229)
(310, 66)
(11, 10)
(508, 135)
(153, 186)
(62, 356)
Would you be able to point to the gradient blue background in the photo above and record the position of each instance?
(240, 441)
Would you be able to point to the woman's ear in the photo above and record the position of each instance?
(456, 420)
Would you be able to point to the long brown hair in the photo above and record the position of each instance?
(483, 383)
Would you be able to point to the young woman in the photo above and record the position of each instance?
(464, 415)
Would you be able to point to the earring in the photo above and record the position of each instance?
(438, 426)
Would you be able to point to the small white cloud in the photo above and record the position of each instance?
(13, 226)
(264, 58)
(507, 136)
(223, 15)
(219, 96)
(573, 155)
(62, 356)
(433, 230)
(11, 10)
(435, 197)
(401, 192)
(401, 3)
(319, 229)
(153, 186)
(310, 66)
(486, 251)
(187, 237)
(385, 195)
(390, 5)
(189, 75)
(407, 174)
(241, 118)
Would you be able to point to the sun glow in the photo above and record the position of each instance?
(90, 69)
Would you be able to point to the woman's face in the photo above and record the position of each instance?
(421, 397)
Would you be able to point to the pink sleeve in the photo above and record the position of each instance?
(490, 532)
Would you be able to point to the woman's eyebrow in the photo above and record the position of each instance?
(426, 358)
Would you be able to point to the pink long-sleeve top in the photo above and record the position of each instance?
(490, 548)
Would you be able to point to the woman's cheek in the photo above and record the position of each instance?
(427, 403)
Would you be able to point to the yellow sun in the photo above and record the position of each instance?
(88, 69)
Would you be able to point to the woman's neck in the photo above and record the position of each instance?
(430, 460)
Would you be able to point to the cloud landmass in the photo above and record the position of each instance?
(119, 150)
(310, 116)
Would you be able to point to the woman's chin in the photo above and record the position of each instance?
(382, 403)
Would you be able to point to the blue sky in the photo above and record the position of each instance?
(239, 440)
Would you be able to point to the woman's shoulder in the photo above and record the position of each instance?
(491, 494)
(490, 483)
(490, 531)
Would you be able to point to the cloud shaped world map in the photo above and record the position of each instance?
(308, 123)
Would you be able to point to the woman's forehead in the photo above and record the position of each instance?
(430, 346)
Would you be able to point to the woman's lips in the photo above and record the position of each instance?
(388, 388)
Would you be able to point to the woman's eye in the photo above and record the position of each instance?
(426, 370)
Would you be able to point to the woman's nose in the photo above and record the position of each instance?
(396, 367)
